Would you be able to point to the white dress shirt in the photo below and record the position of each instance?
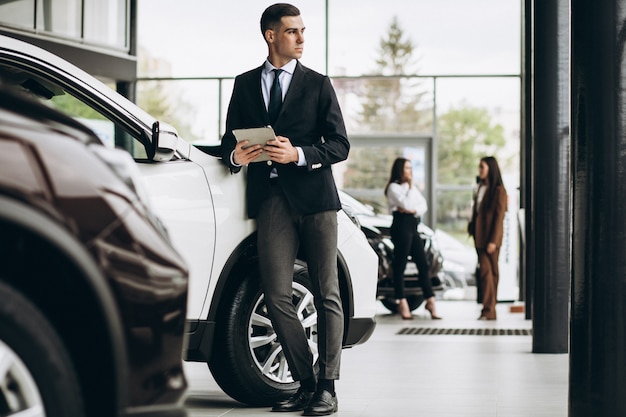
(406, 197)
(267, 79)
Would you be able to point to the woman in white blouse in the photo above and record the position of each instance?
(407, 205)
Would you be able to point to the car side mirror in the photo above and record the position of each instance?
(163, 143)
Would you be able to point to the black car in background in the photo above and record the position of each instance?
(92, 294)
(377, 230)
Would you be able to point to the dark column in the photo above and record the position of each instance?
(550, 235)
(527, 275)
(598, 310)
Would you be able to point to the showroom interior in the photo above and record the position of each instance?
(567, 140)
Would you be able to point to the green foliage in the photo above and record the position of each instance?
(70, 105)
(163, 103)
(163, 99)
(391, 102)
(465, 134)
(365, 171)
(154, 101)
(395, 51)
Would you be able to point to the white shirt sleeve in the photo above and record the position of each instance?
(232, 159)
(407, 198)
(301, 158)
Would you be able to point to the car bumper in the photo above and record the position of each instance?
(200, 340)
(360, 265)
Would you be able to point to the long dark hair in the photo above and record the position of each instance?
(494, 177)
(397, 172)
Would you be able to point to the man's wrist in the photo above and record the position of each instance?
(232, 159)
(301, 161)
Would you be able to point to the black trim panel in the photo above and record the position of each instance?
(359, 331)
(199, 343)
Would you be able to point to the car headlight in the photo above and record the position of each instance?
(388, 242)
(434, 244)
(125, 168)
(351, 215)
(123, 165)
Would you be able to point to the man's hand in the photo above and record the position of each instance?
(243, 156)
(491, 248)
(281, 150)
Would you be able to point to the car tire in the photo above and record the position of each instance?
(39, 375)
(450, 282)
(247, 361)
(414, 302)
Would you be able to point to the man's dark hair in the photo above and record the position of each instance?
(270, 19)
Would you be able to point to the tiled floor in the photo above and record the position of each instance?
(435, 375)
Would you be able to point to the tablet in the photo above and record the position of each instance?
(256, 136)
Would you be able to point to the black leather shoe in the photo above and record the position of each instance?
(296, 402)
(323, 403)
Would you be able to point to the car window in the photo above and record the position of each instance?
(56, 96)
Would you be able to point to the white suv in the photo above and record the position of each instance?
(203, 209)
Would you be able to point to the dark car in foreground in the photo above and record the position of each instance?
(377, 230)
(92, 294)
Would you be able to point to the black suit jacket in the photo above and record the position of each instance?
(311, 118)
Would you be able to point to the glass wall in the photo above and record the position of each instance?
(18, 13)
(449, 36)
(94, 22)
(444, 75)
(106, 22)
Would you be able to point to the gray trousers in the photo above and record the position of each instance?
(280, 232)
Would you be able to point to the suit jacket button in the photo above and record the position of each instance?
(269, 162)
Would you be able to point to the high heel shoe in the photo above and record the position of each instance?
(404, 310)
(430, 307)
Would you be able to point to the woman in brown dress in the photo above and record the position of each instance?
(486, 227)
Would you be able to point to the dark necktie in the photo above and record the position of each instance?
(276, 98)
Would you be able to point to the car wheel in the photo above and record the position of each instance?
(449, 282)
(248, 362)
(414, 302)
(36, 375)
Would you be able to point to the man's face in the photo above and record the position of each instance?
(287, 42)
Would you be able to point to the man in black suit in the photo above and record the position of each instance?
(293, 197)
